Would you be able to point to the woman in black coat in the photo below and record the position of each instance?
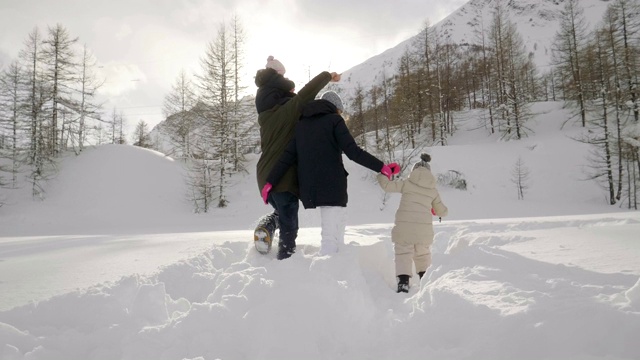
(321, 136)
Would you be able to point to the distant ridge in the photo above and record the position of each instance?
(537, 22)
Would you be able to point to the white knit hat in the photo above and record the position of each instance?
(276, 65)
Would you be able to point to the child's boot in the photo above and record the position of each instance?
(421, 274)
(403, 283)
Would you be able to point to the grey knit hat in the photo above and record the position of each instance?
(333, 98)
(424, 161)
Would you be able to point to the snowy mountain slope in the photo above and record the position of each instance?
(151, 200)
(147, 279)
(536, 21)
(248, 129)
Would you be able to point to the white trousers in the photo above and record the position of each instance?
(333, 222)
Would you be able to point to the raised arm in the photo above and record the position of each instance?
(289, 113)
(310, 90)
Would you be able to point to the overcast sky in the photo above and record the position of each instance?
(141, 45)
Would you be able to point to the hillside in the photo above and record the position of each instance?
(113, 265)
(537, 22)
(118, 192)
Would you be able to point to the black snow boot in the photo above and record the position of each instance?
(287, 245)
(265, 231)
(285, 252)
(403, 283)
(421, 274)
(270, 221)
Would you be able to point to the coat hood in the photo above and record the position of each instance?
(423, 177)
(263, 76)
(273, 89)
(319, 107)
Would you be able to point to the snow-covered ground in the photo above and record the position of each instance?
(112, 265)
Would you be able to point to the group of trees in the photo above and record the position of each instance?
(48, 105)
(594, 72)
(415, 104)
(48, 98)
(597, 73)
(435, 78)
(207, 121)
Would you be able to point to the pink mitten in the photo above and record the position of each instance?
(265, 192)
(395, 168)
(386, 171)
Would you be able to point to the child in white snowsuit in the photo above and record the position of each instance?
(412, 234)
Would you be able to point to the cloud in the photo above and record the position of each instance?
(120, 78)
(5, 59)
(144, 44)
(124, 32)
(312, 36)
(375, 18)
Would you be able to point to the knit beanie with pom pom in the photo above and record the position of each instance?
(276, 65)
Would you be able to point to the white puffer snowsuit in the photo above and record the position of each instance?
(413, 230)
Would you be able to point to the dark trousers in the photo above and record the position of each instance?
(286, 206)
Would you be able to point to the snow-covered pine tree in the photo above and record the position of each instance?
(357, 121)
(141, 135)
(601, 126)
(87, 107)
(520, 176)
(37, 92)
(180, 117)
(60, 73)
(568, 49)
(12, 119)
(243, 112)
(511, 69)
(216, 85)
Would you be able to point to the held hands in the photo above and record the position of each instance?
(433, 212)
(335, 77)
(265, 192)
(390, 170)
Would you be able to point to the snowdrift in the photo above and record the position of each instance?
(479, 301)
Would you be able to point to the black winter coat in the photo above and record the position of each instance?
(321, 136)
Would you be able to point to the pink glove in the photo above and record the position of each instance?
(433, 211)
(386, 171)
(265, 192)
(395, 168)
